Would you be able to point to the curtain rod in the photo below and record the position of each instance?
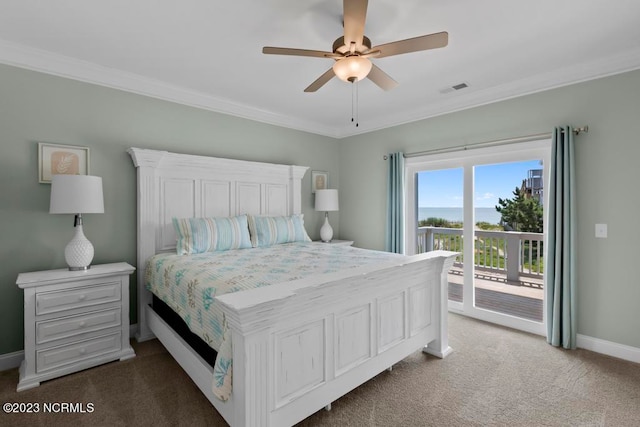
(576, 131)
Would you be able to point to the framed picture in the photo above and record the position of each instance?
(56, 159)
(319, 181)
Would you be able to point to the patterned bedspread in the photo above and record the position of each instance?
(189, 284)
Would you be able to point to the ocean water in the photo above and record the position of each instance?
(489, 215)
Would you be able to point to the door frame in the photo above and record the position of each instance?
(467, 159)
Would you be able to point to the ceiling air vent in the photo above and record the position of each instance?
(458, 86)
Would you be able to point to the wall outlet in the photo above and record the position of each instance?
(601, 231)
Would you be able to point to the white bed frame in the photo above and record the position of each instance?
(300, 345)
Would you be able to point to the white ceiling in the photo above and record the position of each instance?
(207, 53)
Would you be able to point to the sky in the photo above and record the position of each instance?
(443, 188)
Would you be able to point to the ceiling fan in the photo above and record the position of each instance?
(353, 50)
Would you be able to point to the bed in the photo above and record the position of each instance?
(298, 344)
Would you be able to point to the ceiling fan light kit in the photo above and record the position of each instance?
(352, 68)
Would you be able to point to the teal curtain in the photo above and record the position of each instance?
(560, 268)
(394, 236)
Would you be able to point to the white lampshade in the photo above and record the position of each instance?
(76, 194)
(327, 200)
(352, 68)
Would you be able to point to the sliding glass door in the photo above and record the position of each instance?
(488, 205)
(441, 220)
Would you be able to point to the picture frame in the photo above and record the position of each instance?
(319, 181)
(61, 159)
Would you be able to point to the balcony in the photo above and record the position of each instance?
(508, 268)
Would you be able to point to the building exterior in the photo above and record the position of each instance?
(532, 186)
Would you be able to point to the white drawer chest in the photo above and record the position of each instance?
(74, 320)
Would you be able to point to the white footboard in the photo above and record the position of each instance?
(296, 346)
(300, 345)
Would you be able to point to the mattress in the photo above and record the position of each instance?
(189, 284)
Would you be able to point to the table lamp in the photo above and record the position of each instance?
(327, 201)
(77, 194)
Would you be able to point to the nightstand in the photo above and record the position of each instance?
(74, 320)
(336, 242)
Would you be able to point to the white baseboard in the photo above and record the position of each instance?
(609, 348)
(13, 360)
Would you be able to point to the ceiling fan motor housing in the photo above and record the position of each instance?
(340, 47)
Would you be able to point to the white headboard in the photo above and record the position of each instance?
(181, 185)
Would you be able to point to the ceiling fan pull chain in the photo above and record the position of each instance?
(352, 96)
(357, 98)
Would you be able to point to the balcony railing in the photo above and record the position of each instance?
(511, 253)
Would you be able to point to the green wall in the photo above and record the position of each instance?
(36, 107)
(607, 173)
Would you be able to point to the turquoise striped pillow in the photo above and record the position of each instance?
(274, 230)
(198, 235)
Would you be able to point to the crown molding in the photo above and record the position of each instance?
(59, 65)
(565, 76)
(64, 66)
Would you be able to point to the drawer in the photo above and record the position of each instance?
(56, 357)
(74, 325)
(53, 301)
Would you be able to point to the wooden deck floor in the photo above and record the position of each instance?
(493, 292)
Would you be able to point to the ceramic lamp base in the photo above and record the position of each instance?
(79, 251)
(326, 231)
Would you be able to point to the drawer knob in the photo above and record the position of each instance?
(82, 297)
(82, 324)
(83, 350)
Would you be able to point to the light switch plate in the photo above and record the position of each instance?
(601, 231)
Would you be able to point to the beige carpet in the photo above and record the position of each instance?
(495, 377)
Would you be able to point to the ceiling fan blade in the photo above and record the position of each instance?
(298, 52)
(381, 78)
(320, 81)
(431, 41)
(355, 14)
(370, 53)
